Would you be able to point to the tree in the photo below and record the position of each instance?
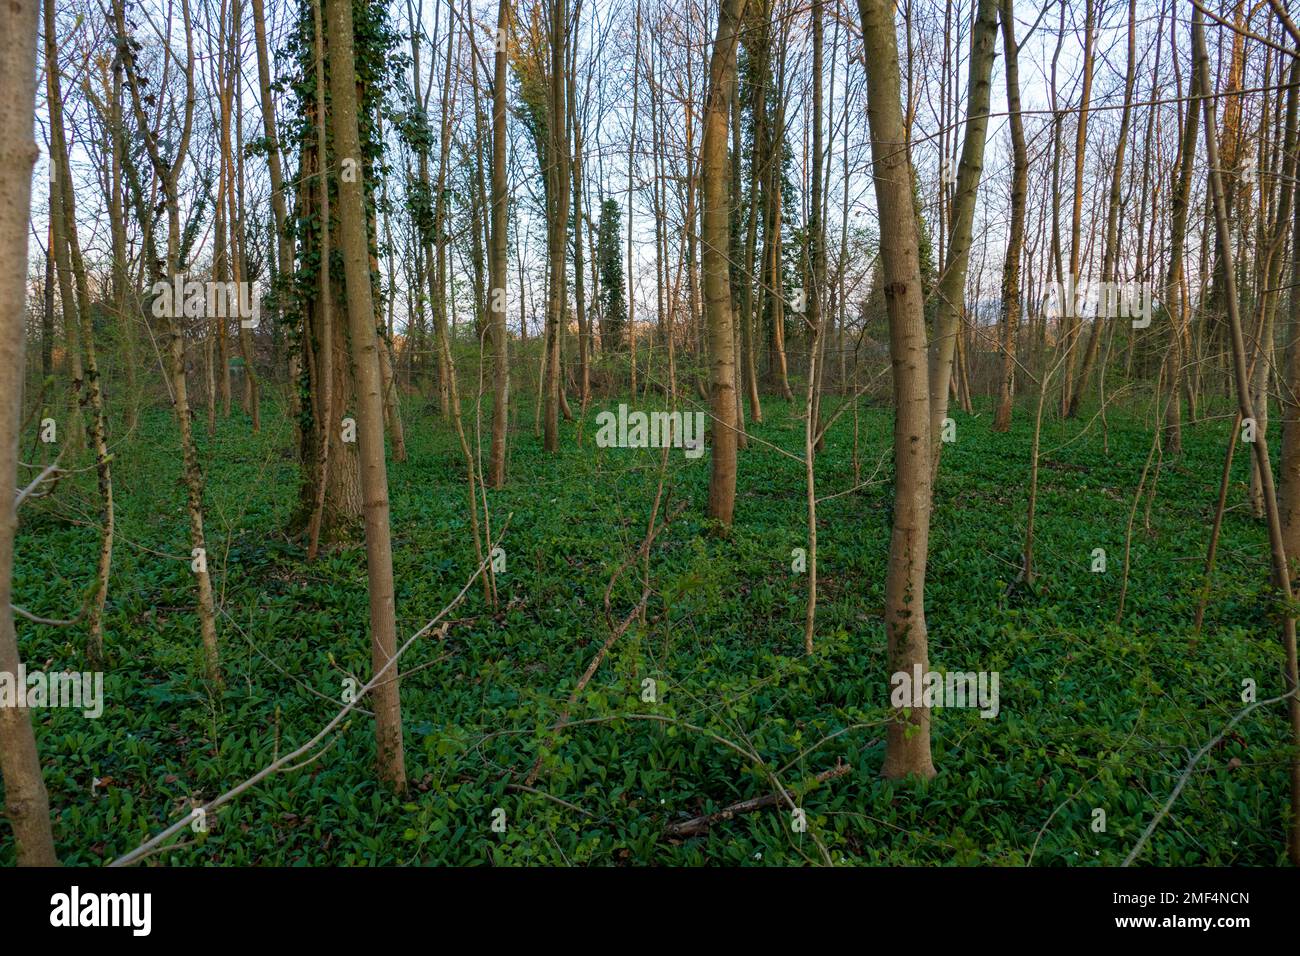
(715, 237)
(1110, 252)
(952, 281)
(1277, 548)
(908, 740)
(612, 287)
(26, 801)
(364, 352)
(169, 174)
(1010, 318)
(557, 215)
(497, 256)
(91, 391)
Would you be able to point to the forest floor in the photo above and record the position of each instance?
(1093, 714)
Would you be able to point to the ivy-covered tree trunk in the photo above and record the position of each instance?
(328, 383)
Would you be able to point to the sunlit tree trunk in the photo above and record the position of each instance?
(282, 293)
(557, 172)
(907, 745)
(1172, 289)
(1070, 321)
(1277, 549)
(715, 237)
(1110, 251)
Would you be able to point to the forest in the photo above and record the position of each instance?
(649, 433)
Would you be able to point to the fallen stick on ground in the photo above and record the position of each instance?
(699, 825)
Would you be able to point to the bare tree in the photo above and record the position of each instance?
(364, 350)
(908, 739)
(715, 237)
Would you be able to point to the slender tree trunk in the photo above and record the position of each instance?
(908, 739)
(1110, 252)
(1289, 488)
(952, 284)
(1277, 548)
(1180, 202)
(27, 804)
(1011, 307)
(327, 419)
(497, 263)
(816, 237)
(369, 395)
(557, 169)
(169, 177)
(92, 394)
(1273, 228)
(579, 268)
(631, 169)
(715, 236)
(233, 157)
(1069, 319)
(282, 293)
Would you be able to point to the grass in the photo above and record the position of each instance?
(1094, 714)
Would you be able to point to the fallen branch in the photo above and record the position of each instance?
(1187, 774)
(697, 826)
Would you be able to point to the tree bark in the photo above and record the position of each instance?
(1110, 252)
(715, 238)
(27, 804)
(1010, 319)
(1277, 549)
(952, 284)
(364, 349)
(497, 254)
(92, 392)
(169, 177)
(908, 738)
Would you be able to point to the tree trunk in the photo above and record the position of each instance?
(1277, 550)
(364, 349)
(715, 237)
(27, 804)
(907, 740)
(952, 284)
(282, 291)
(169, 177)
(1180, 201)
(557, 173)
(1070, 332)
(92, 393)
(1110, 252)
(497, 263)
(1010, 319)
